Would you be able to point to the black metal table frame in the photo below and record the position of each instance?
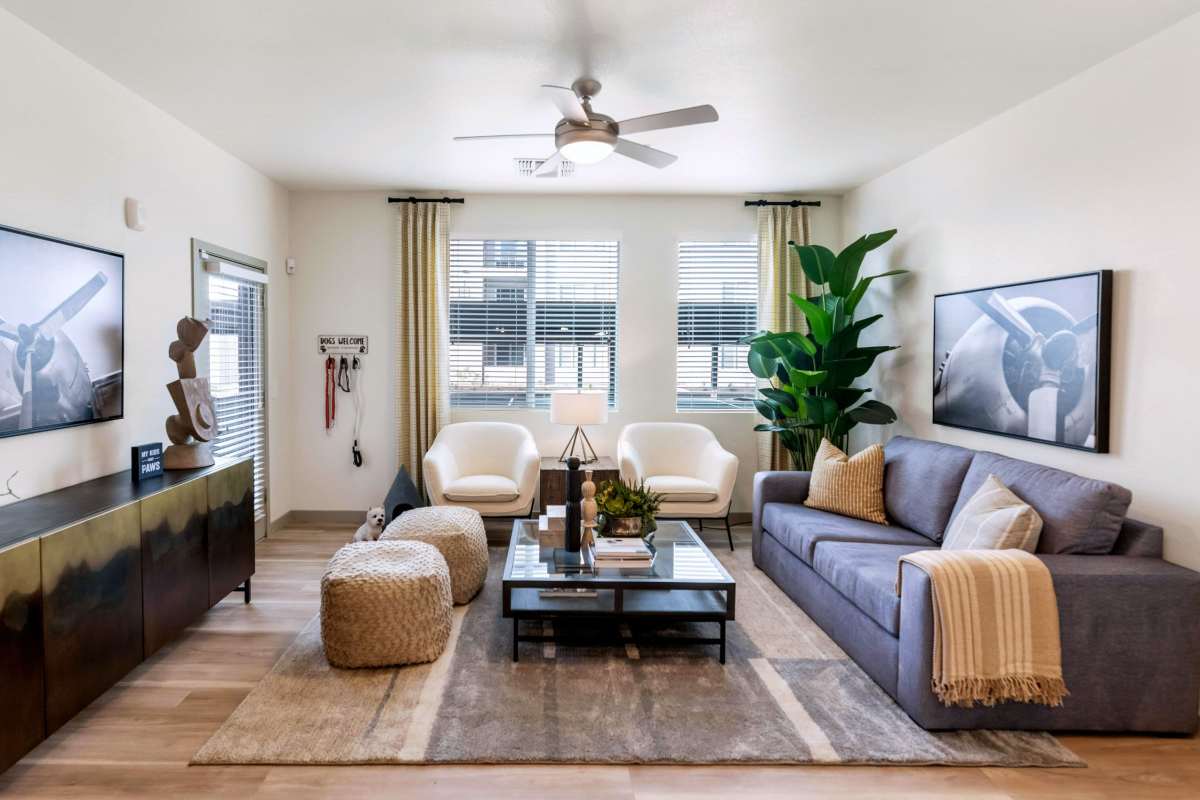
(617, 614)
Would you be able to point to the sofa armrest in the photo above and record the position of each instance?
(719, 467)
(1130, 636)
(789, 486)
(440, 467)
(629, 463)
(1139, 539)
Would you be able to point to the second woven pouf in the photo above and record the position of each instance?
(460, 536)
(385, 603)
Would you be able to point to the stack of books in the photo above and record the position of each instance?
(630, 552)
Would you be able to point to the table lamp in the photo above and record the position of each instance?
(579, 409)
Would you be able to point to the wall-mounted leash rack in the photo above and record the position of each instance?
(345, 361)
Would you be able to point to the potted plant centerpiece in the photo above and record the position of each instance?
(626, 509)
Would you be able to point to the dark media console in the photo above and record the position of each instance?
(96, 577)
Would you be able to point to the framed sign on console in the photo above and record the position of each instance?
(1028, 360)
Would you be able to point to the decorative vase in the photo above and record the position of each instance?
(624, 527)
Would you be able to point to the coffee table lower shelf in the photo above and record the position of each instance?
(622, 605)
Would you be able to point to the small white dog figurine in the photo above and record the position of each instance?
(369, 531)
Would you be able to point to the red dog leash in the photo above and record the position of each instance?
(330, 392)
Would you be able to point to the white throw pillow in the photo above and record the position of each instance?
(994, 519)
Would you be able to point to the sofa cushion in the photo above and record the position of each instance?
(799, 528)
(482, 489)
(921, 482)
(994, 519)
(865, 574)
(681, 488)
(847, 485)
(1079, 515)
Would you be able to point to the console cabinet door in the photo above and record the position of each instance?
(92, 609)
(174, 560)
(230, 529)
(22, 689)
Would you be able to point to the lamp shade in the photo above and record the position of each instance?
(578, 408)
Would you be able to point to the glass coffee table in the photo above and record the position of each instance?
(685, 583)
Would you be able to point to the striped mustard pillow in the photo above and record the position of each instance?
(994, 519)
(852, 487)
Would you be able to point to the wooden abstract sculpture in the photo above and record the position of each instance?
(190, 430)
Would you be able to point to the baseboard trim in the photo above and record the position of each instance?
(311, 518)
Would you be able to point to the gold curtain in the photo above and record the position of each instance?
(422, 330)
(779, 272)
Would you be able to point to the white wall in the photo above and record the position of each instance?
(343, 243)
(1099, 172)
(73, 145)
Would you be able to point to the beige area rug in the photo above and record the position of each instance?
(787, 695)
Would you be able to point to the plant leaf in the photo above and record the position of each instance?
(846, 339)
(819, 320)
(816, 261)
(767, 410)
(821, 410)
(873, 412)
(843, 371)
(856, 294)
(785, 400)
(844, 275)
(807, 378)
(762, 366)
(843, 425)
(846, 396)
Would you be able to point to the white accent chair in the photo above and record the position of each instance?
(683, 462)
(491, 467)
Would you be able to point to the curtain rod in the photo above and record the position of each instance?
(792, 203)
(426, 200)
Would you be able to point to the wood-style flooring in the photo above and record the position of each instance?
(136, 740)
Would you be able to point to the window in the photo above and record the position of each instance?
(531, 317)
(236, 359)
(718, 305)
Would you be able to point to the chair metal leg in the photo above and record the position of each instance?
(728, 532)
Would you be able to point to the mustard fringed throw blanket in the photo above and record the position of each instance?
(995, 627)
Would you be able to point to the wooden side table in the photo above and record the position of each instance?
(553, 487)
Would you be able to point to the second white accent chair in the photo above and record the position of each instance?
(683, 462)
(491, 467)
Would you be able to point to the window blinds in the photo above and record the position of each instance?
(531, 317)
(236, 374)
(718, 305)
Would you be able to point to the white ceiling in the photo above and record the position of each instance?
(814, 95)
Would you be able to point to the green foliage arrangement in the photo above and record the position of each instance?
(812, 394)
(621, 499)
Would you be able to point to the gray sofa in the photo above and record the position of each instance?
(1130, 621)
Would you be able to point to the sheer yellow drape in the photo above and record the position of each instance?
(779, 272)
(422, 330)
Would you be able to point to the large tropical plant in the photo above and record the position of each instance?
(811, 394)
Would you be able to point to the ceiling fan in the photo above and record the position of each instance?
(587, 137)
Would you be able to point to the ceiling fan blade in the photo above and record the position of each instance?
(504, 136)
(644, 154)
(567, 102)
(669, 119)
(549, 167)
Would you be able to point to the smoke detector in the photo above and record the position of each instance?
(528, 167)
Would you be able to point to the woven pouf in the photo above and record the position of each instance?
(458, 533)
(385, 603)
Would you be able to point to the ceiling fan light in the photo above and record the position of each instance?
(586, 151)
